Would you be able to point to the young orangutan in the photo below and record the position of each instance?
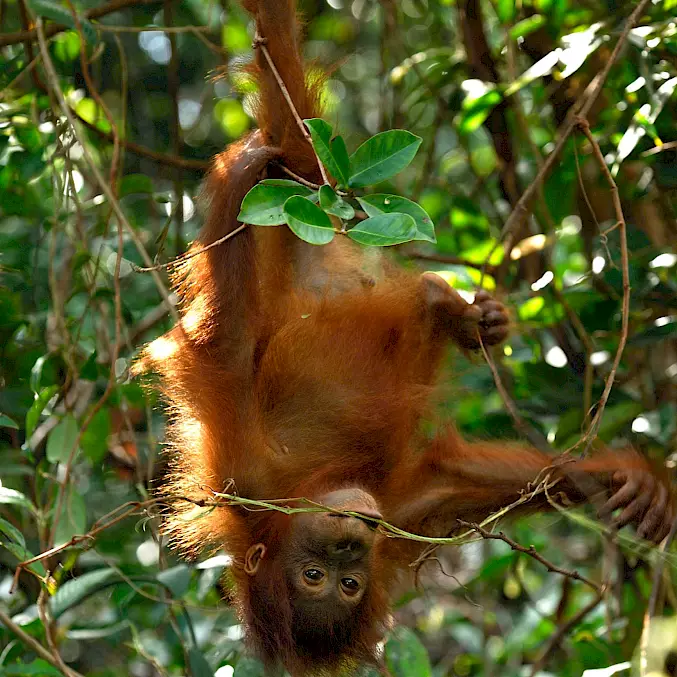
(293, 373)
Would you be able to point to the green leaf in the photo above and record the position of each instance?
(384, 230)
(22, 554)
(320, 132)
(28, 136)
(177, 579)
(198, 664)
(61, 15)
(135, 183)
(14, 497)
(340, 154)
(67, 46)
(41, 401)
(505, 10)
(476, 111)
(94, 440)
(526, 26)
(262, 205)
(308, 221)
(12, 532)
(74, 591)
(7, 422)
(38, 667)
(382, 203)
(382, 156)
(61, 440)
(406, 656)
(335, 205)
(328, 198)
(72, 520)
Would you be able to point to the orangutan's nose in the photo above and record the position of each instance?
(347, 550)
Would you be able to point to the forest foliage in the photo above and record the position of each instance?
(109, 115)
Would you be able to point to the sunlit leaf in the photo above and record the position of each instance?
(13, 497)
(382, 156)
(40, 402)
(262, 205)
(321, 133)
(526, 26)
(67, 46)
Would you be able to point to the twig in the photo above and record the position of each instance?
(105, 188)
(260, 43)
(150, 29)
(34, 645)
(589, 436)
(143, 151)
(562, 631)
(536, 439)
(670, 145)
(48, 624)
(283, 505)
(579, 109)
(532, 552)
(181, 259)
(94, 13)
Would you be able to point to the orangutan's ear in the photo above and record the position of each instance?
(253, 558)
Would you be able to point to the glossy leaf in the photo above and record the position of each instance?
(335, 205)
(384, 230)
(263, 204)
(321, 132)
(40, 402)
(11, 532)
(382, 156)
(328, 198)
(308, 221)
(382, 203)
(13, 497)
(341, 157)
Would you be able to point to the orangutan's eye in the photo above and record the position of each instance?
(350, 585)
(313, 575)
